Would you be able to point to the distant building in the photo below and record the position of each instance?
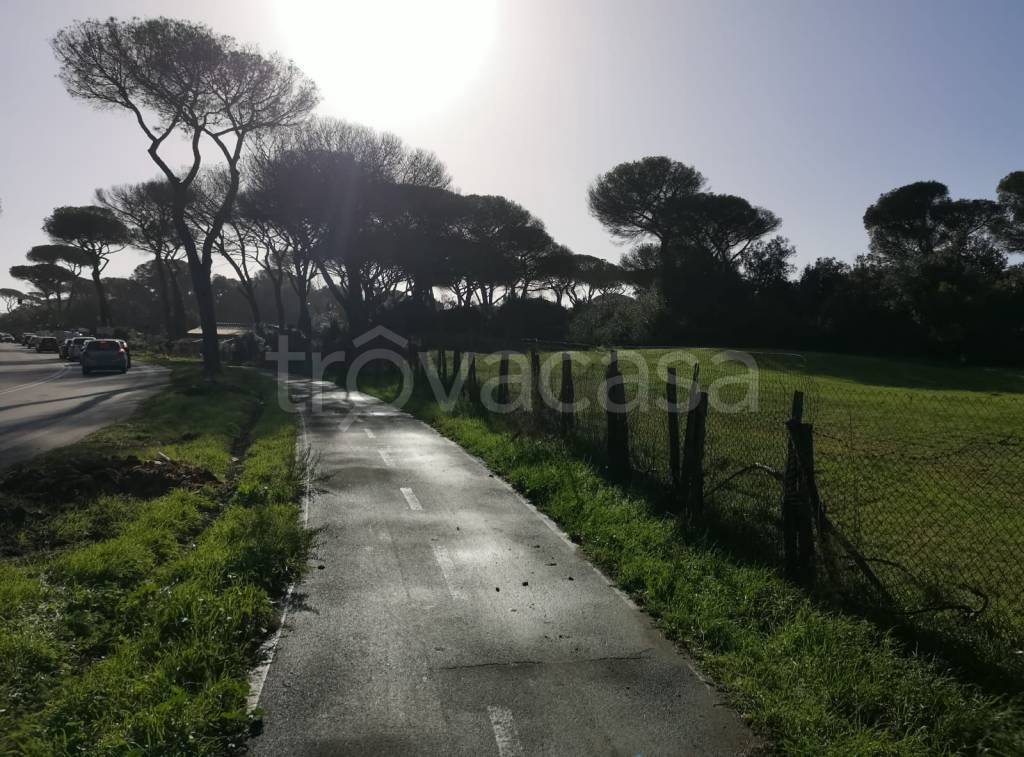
(225, 330)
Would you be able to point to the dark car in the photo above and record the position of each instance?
(27, 338)
(104, 355)
(47, 344)
(62, 350)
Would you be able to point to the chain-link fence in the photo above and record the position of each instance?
(911, 505)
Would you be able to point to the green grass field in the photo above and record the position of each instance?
(919, 465)
(812, 679)
(129, 619)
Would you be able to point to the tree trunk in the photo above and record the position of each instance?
(356, 312)
(250, 296)
(278, 302)
(201, 288)
(207, 316)
(178, 324)
(165, 303)
(305, 323)
(101, 297)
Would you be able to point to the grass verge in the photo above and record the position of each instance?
(812, 680)
(129, 623)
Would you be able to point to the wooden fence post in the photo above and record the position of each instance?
(809, 497)
(791, 489)
(695, 488)
(456, 362)
(671, 399)
(413, 360)
(689, 434)
(503, 379)
(566, 395)
(471, 386)
(536, 401)
(618, 422)
(442, 363)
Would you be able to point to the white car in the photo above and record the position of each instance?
(75, 349)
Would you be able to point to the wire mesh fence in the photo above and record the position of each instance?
(912, 495)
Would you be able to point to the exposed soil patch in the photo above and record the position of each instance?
(29, 491)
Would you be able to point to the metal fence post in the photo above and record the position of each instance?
(618, 424)
(566, 395)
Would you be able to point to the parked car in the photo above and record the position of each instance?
(47, 344)
(7, 338)
(104, 355)
(75, 349)
(26, 338)
(62, 350)
(127, 351)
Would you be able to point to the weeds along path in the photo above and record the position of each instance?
(131, 613)
(447, 616)
(811, 679)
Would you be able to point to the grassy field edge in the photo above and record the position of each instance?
(130, 624)
(813, 681)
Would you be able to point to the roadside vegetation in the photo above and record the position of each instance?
(811, 678)
(138, 573)
(916, 462)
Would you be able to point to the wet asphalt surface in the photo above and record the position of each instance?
(443, 615)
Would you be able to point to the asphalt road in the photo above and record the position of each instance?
(444, 615)
(46, 402)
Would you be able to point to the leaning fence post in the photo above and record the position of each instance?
(618, 425)
(671, 400)
(566, 395)
(503, 380)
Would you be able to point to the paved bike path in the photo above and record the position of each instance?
(444, 615)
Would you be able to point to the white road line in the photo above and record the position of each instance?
(447, 566)
(369, 433)
(386, 457)
(411, 498)
(505, 735)
(51, 377)
(258, 677)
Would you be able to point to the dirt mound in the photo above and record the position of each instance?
(74, 479)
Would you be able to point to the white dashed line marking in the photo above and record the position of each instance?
(411, 498)
(386, 457)
(505, 735)
(369, 433)
(447, 566)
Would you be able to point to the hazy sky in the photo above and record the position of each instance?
(811, 109)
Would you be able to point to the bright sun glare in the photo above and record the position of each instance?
(390, 62)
